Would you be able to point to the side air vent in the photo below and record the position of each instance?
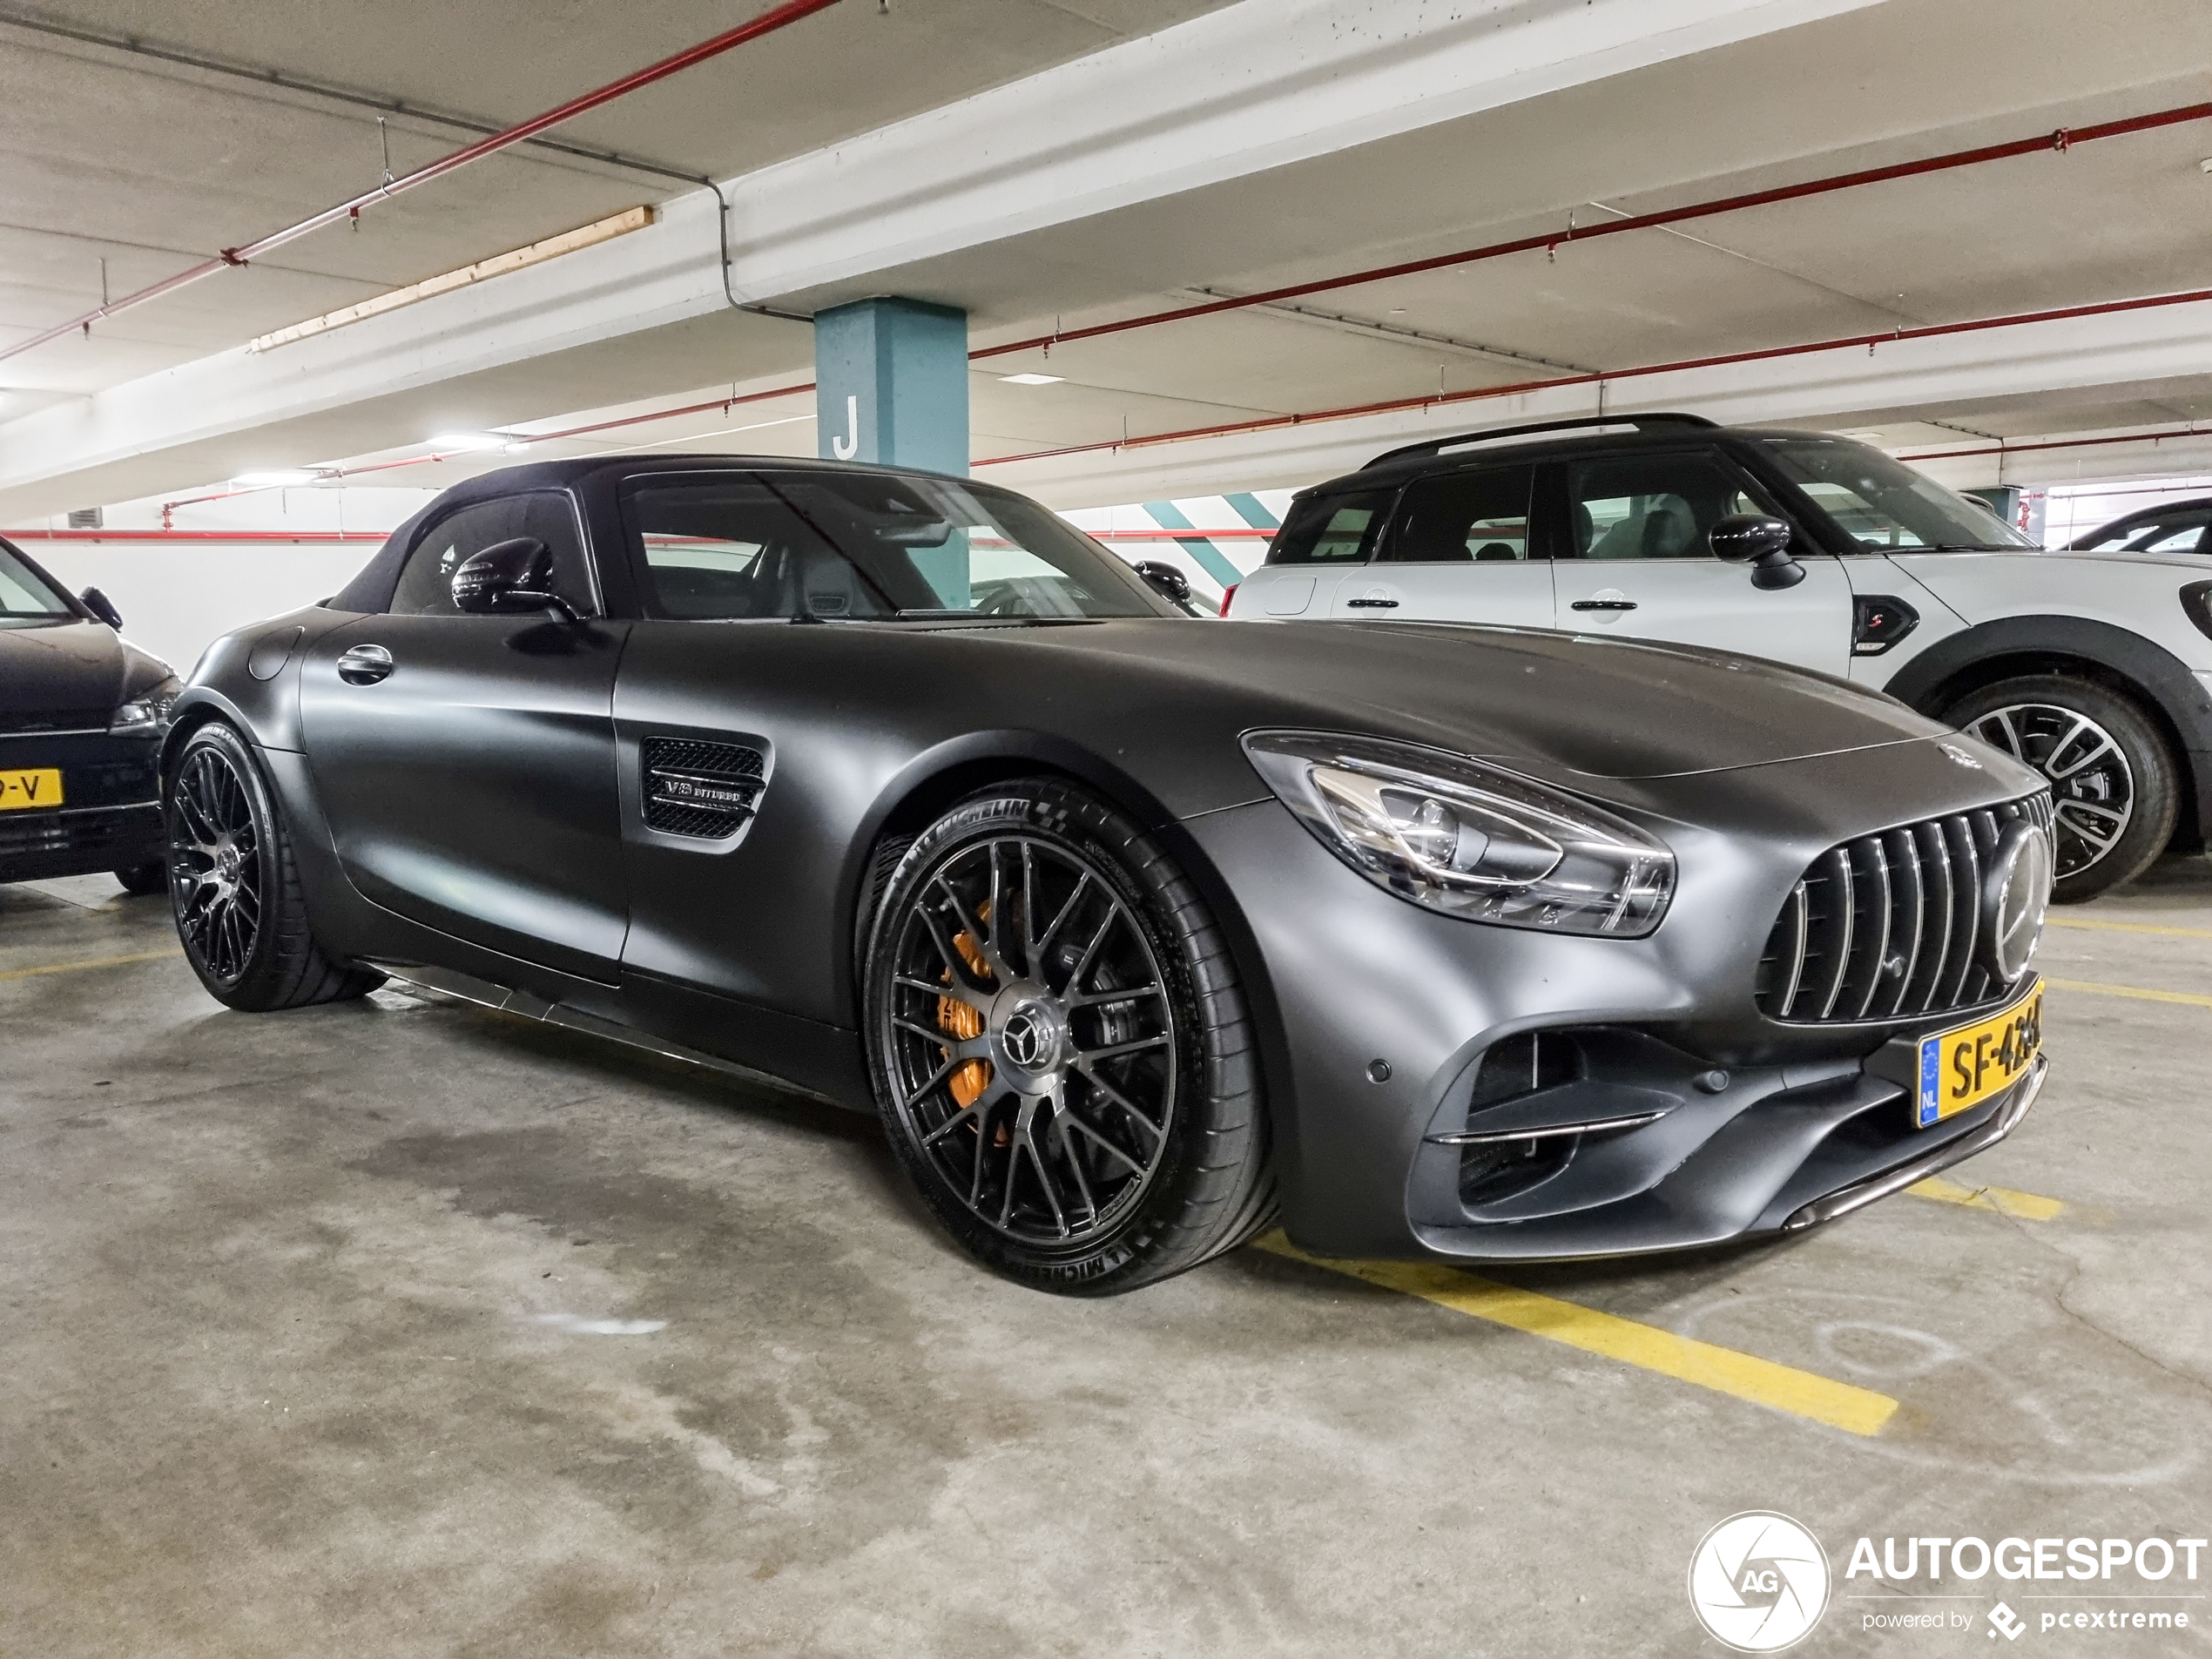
(1884, 927)
(706, 789)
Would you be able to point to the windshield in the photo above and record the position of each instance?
(2178, 528)
(1883, 504)
(727, 546)
(27, 599)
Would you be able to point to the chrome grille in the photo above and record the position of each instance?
(1884, 927)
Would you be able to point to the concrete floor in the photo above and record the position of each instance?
(398, 1327)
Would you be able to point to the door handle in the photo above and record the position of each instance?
(1603, 604)
(1373, 602)
(364, 664)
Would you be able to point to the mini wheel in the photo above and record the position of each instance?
(1059, 1048)
(2113, 779)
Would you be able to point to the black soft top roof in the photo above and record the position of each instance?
(372, 587)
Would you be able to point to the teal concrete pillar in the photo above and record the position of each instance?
(891, 384)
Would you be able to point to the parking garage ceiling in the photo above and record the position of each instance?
(150, 163)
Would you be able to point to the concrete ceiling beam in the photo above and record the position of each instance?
(1254, 87)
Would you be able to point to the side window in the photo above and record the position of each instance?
(1652, 507)
(1463, 517)
(1330, 529)
(424, 587)
(727, 548)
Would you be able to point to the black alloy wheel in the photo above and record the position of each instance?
(232, 887)
(215, 865)
(1059, 1048)
(2113, 790)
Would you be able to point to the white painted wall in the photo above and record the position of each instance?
(176, 599)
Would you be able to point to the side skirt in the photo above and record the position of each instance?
(468, 988)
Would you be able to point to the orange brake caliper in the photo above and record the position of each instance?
(958, 1020)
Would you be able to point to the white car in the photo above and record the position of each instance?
(2093, 666)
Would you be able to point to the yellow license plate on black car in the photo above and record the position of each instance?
(1963, 1067)
(38, 787)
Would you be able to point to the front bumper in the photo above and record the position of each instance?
(112, 815)
(1686, 1117)
(79, 841)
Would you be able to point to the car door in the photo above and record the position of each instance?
(1457, 549)
(466, 764)
(1323, 538)
(1633, 561)
(732, 804)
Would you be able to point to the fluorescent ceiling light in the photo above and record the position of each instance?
(457, 443)
(635, 219)
(277, 478)
(1033, 380)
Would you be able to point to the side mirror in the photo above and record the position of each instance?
(509, 578)
(1166, 581)
(1761, 543)
(103, 607)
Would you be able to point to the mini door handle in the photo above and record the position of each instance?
(364, 664)
(1372, 603)
(1603, 604)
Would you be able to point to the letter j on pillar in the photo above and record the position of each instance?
(891, 386)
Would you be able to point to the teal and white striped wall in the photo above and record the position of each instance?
(1214, 540)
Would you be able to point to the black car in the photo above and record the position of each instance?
(1137, 930)
(82, 715)
(2169, 527)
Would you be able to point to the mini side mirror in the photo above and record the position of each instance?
(103, 607)
(1761, 543)
(1166, 581)
(509, 578)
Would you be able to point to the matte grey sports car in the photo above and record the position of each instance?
(1137, 930)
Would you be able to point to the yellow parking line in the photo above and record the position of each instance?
(2128, 927)
(2141, 993)
(2025, 1206)
(1858, 1410)
(97, 961)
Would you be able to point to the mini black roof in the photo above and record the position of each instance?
(1635, 429)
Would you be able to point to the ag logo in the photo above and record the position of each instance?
(1758, 1581)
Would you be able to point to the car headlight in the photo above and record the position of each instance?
(1468, 838)
(146, 715)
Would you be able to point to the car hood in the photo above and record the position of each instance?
(1562, 704)
(72, 667)
(2195, 562)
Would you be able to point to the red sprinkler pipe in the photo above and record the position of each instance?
(2060, 141)
(1436, 400)
(776, 17)
(2057, 443)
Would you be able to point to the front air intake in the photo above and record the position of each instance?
(1884, 927)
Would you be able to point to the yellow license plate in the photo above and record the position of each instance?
(39, 786)
(1963, 1067)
